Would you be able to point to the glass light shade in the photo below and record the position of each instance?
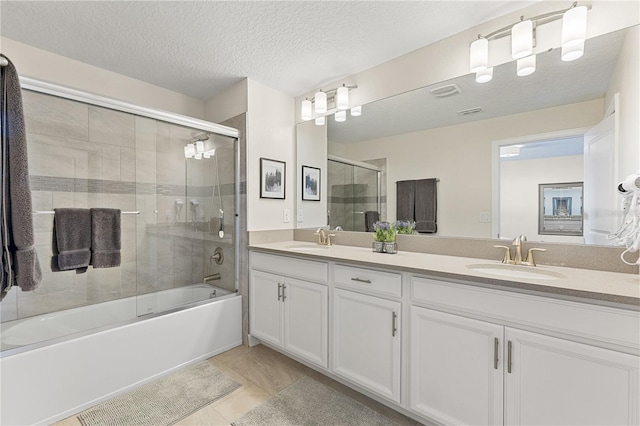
(522, 39)
(526, 66)
(206, 154)
(198, 156)
(573, 52)
(509, 151)
(190, 150)
(342, 98)
(485, 75)
(574, 26)
(305, 110)
(187, 152)
(321, 102)
(341, 116)
(320, 121)
(356, 111)
(479, 55)
(199, 147)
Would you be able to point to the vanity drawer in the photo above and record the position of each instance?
(290, 266)
(594, 322)
(385, 283)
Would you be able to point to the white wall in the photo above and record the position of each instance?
(449, 58)
(312, 151)
(626, 82)
(519, 196)
(270, 134)
(46, 66)
(461, 157)
(230, 103)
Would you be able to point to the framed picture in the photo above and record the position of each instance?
(272, 178)
(310, 183)
(560, 210)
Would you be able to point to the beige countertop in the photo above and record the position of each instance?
(602, 287)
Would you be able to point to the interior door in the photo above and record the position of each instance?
(600, 178)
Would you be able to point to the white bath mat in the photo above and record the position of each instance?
(164, 401)
(310, 403)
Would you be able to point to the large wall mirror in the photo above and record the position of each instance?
(491, 145)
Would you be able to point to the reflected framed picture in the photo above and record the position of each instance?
(310, 183)
(272, 178)
(560, 209)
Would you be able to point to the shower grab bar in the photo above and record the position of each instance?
(52, 212)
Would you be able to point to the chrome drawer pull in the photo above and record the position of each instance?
(279, 291)
(284, 287)
(360, 280)
(394, 329)
(495, 353)
(509, 356)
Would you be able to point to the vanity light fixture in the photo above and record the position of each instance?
(523, 36)
(189, 150)
(509, 151)
(341, 116)
(526, 66)
(326, 102)
(305, 110)
(485, 75)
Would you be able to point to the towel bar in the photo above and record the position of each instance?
(52, 212)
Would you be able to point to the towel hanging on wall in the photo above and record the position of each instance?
(416, 200)
(19, 261)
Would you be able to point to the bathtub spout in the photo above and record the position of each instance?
(212, 277)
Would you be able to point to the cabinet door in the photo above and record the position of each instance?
(305, 323)
(455, 372)
(266, 307)
(558, 382)
(366, 342)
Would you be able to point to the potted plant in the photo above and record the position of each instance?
(405, 227)
(384, 237)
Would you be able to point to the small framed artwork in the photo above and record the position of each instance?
(272, 178)
(310, 183)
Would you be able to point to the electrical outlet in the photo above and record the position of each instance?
(300, 216)
(484, 217)
(286, 215)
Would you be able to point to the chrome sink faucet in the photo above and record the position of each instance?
(517, 259)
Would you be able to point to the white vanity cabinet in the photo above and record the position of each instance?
(469, 371)
(366, 342)
(288, 312)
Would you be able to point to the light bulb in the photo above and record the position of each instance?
(342, 98)
(485, 75)
(320, 121)
(199, 147)
(526, 66)
(305, 110)
(190, 150)
(522, 39)
(574, 26)
(573, 52)
(341, 116)
(321, 102)
(479, 55)
(356, 111)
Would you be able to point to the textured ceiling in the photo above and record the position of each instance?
(554, 83)
(200, 48)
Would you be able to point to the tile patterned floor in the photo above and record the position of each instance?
(262, 372)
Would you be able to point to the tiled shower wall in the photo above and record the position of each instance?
(85, 156)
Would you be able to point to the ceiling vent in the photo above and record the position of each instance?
(445, 91)
(469, 111)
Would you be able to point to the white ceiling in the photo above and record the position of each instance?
(200, 48)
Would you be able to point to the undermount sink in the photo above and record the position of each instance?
(516, 271)
(308, 247)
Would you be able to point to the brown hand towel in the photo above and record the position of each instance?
(72, 239)
(19, 264)
(426, 207)
(105, 236)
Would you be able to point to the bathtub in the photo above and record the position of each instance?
(93, 353)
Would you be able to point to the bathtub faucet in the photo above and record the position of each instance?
(212, 277)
